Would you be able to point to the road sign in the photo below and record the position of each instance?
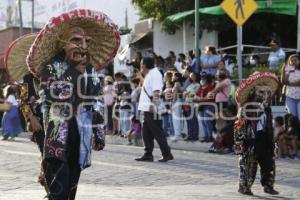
(239, 10)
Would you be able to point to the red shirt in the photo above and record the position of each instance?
(203, 91)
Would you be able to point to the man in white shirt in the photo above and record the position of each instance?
(152, 125)
(277, 55)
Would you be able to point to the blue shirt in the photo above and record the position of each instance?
(195, 68)
(276, 58)
(209, 60)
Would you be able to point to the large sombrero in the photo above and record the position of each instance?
(102, 48)
(258, 78)
(15, 57)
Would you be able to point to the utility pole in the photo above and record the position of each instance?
(197, 33)
(20, 18)
(32, 16)
(239, 51)
(126, 19)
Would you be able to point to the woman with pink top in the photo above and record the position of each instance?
(222, 89)
(291, 79)
(221, 94)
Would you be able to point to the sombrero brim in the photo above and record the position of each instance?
(102, 48)
(262, 78)
(15, 57)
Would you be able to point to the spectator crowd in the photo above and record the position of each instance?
(197, 102)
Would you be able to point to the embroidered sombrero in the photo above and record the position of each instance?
(258, 78)
(15, 57)
(102, 48)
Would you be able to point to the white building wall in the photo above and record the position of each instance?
(163, 42)
(121, 57)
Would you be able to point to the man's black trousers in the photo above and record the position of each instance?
(152, 129)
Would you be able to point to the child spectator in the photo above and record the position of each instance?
(278, 127)
(278, 131)
(223, 143)
(292, 138)
(135, 132)
(136, 91)
(281, 139)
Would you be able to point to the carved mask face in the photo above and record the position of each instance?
(262, 94)
(75, 44)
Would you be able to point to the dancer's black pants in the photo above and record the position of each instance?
(62, 176)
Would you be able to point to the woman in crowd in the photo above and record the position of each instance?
(291, 79)
(108, 98)
(210, 60)
(221, 93)
(116, 108)
(11, 123)
(177, 105)
(125, 105)
(167, 116)
(206, 109)
(189, 109)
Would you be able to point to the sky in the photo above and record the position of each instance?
(45, 9)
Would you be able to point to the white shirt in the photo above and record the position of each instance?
(293, 91)
(178, 66)
(12, 99)
(152, 82)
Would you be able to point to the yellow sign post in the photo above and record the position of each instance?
(239, 10)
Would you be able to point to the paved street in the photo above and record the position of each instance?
(114, 175)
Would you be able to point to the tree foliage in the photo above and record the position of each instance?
(257, 30)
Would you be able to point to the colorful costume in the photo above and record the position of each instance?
(253, 133)
(64, 55)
